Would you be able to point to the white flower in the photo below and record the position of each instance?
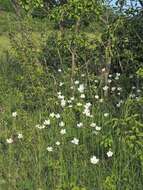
(61, 124)
(63, 103)
(60, 97)
(61, 84)
(14, 114)
(87, 112)
(47, 122)
(76, 82)
(58, 143)
(70, 106)
(72, 98)
(9, 141)
(110, 76)
(98, 128)
(94, 160)
(80, 125)
(50, 149)
(82, 96)
(87, 105)
(93, 125)
(82, 75)
(103, 70)
(119, 88)
(105, 88)
(71, 87)
(96, 97)
(75, 141)
(52, 114)
(109, 80)
(79, 104)
(106, 114)
(113, 88)
(116, 78)
(20, 136)
(81, 88)
(109, 153)
(57, 115)
(69, 101)
(40, 126)
(59, 93)
(133, 87)
(131, 76)
(101, 100)
(63, 131)
(138, 90)
(118, 74)
(59, 70)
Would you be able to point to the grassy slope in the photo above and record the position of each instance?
(26, 164)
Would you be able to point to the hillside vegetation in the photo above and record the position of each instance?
(71, 95)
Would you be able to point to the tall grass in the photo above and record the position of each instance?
(31, 158)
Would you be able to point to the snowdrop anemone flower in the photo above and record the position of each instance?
(50, 149)
(20, 136)
(87, 105)
(87, 112)
(60, 97)
(105, 88)
(79, 104)
(58, 143)
(94, 160)
(113, 88)
(82, 96)
(57, 115)
(109, 80)
(98, 128)
(133, 87)
(101, 100)
(14, 114)
(61, 84)
(109, 153)
(59, 70)
(93, 125)
(118, 74)
(69, 101)
(96, 81)
(110, 76)
(61, 124)
(75, 141)
(72, 98)
(76, 82)
(40, 126)
(96, 97)
(63, 103)
(52, 115)
(9, 141)
(63, 131)
(119, 88)
(79, 125)
(81, 88)
(103, 69)
(47, 122)
(116, 78)
(106, 114)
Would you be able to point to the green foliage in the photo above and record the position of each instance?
(100, 105)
